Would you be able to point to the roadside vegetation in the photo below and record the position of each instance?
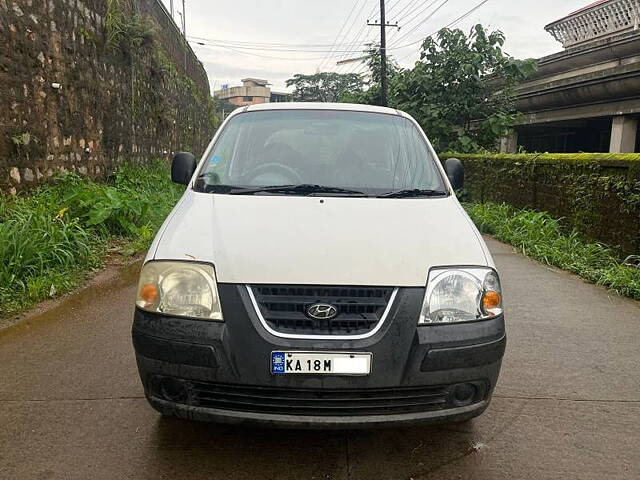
(539, 236)
(51, 237)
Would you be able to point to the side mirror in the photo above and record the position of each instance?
(182, 167)
(455, 172)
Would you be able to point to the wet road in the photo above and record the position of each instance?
(567, 404)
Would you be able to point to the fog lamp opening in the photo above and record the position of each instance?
(174, 390)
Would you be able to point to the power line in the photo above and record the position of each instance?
(335, 41)
(363, 66)
(358, 65)
(403, 9)
(392, 6)
(416, 12)
(451, 24)
(341, 62)
(427, 18)
(467, 14)
(366, 40)
(234, 49)
(459, 19)
(369, 40)
(357, 37)
(345, 57)
(383, 25)
(266, 49)
(361, 69)
(418, 9)
(259, 44)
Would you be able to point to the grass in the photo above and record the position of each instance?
(51, 237)
(540, 236)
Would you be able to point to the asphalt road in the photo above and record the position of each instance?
(567, 404)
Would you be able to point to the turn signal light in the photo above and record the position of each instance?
(492, 302)
(149, 293)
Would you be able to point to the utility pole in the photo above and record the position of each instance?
(184, 20)
(384, 82)
(171, 8)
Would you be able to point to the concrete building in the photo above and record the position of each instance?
(586, 97)
(252, 91)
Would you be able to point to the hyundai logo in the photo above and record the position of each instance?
(322, 311)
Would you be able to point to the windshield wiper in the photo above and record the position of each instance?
(302, 189)
(413, 193)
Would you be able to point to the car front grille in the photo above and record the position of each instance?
(298, 401)
(284, 308)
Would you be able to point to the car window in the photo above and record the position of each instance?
(369, 152)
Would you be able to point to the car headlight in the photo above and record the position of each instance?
(185, 289)
(461, 295)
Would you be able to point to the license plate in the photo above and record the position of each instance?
(320, 363)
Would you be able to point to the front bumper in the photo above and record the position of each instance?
(276, 420)
(409, 362)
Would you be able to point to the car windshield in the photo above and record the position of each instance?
(315, 152)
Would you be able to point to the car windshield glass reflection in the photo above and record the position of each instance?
(293, 152)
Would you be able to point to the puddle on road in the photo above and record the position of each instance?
(109, 281)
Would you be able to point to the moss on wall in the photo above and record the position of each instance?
(91, 83)
(599, 194)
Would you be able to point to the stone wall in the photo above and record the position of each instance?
(74, 99)
(598, 194)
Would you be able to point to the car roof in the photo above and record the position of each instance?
(352, 107)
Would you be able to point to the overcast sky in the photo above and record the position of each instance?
(274, 26)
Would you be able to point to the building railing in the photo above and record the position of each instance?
(614, 16)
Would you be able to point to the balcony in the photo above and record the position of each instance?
(601, 19)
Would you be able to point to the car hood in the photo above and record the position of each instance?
(320, 241)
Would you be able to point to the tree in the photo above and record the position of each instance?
(222, 109)
(462, 89)
(372, 94)
(324, 86)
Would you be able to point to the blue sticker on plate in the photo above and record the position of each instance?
(216, 159)
(277, 362)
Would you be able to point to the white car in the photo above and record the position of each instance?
(319, 271)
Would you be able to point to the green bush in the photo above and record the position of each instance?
(598, 194)
(549, 157)
(539, 236)
(53, 235)
(125, 30)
